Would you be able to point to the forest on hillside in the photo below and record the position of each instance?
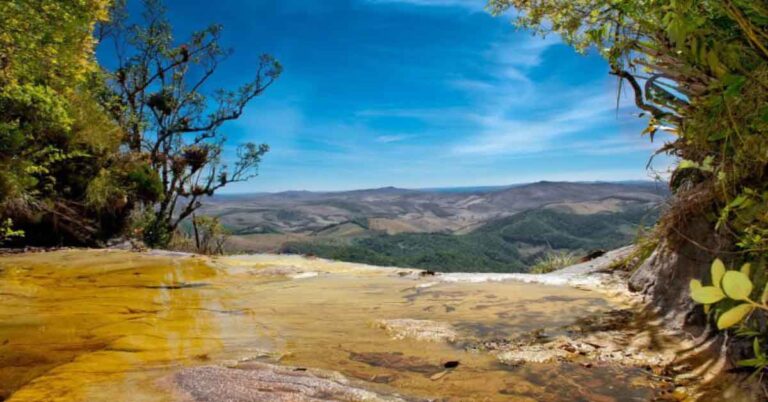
(513, 244)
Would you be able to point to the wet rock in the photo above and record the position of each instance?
(254, 382)
(169, 253)
(531, 355)
(305, 275)
(126, 244)
(280, 270)
(608, 321)
(383, 378)
(439, 375)
(396, 361)
(519, 388)
(421, 330)
(177, 286)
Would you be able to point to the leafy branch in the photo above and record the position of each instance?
(736, 286)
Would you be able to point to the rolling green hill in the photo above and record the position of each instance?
(509, 244)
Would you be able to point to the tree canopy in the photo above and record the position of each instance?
(698, 71)
(158, 95)
(82, 149)
(50, 125)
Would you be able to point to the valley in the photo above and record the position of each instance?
(489, 229)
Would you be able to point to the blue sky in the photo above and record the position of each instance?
(417, 93)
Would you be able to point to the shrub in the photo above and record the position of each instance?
(553, 261)
(208, 233)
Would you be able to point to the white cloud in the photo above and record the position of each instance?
(443, 115)
(505, 82)
(502, 135)
(473, 5)
(616, 145)
(584, 175)
(508, 65)
(522, 53)
(386, 139)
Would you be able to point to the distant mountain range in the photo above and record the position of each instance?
(501, 228)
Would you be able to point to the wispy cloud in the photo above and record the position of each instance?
(438, 115)
(509, 63)
(386, 139)
(616, 145)
(505, 135)
(459, 99)
(502, 83)
(473, 5)
(522, 53)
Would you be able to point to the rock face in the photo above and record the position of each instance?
(256, 382)
(663, 279)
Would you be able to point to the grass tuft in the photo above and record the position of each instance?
(553, 261)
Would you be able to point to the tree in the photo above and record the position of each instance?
(158, 96)
(699, 70)
(54, 137)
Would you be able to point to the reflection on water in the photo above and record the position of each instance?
(96, 325)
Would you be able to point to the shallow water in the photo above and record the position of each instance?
(104, 325)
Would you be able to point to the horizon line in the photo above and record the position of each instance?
(443, 188)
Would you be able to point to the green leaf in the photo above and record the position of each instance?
(706, 294)
(745, 269)
(716, 136)
(737, 285)
(756, 348)
(764, 297)
(733, 316)
(737, 201)
(718, 270)
(687, 164)
(695, 284)
(750, 362)
(734, 83)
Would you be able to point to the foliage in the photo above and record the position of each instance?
(552, 261)
(80, 147)
(736, 299)
(48, 41)
(698, 71)
(498, 246)
(7, 232)
(142, 225)
(58, 147)
(209, 234)
(104, 192)
(157, 96)
(644, 245)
